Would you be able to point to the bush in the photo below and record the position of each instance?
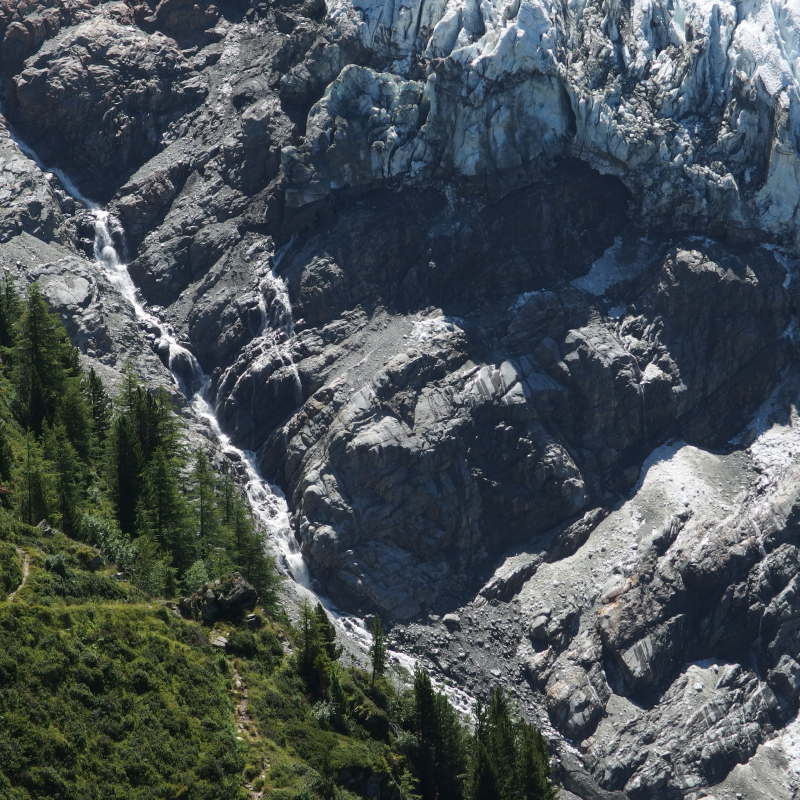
(10, 568)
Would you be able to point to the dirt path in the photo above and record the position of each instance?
(26, 562)
(246, 728)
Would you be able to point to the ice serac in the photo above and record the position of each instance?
(693, 105)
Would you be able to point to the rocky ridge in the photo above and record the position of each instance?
(448, 268)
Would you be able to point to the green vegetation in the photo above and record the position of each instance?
(108, 702)
(116, 475)
(106, 692)
(10, 569)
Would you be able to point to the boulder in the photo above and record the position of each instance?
(231, 599)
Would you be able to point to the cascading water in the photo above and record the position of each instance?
(276, 329)
(267, 503)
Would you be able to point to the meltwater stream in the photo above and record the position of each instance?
(267, 504)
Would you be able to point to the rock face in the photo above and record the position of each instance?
(396, 479)
(99, 96)
(503, 296)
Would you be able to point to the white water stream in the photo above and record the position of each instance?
(267, 502)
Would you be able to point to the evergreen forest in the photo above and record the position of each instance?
(107, 692)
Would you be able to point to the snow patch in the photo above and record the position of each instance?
(424, 329)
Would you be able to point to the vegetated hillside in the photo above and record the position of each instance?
(117, 475)
(107, 692)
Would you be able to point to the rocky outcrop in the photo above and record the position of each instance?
(428, 464)
(230, 599)
(99, 96)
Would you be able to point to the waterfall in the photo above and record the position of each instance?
(276, 329)
(267, 502)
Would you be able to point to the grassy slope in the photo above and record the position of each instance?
(104, 694)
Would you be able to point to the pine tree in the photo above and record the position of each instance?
(6, 451)
(249, 550)
(533, 764)
(327, 632)
(10, 308)
(377, 650)
(227, 501)
(33, 484)
(124, 471)
(450, 750)
(424, 707)
(308, 643)
(100, 405)
(73, 414)
(39, 373)
(313, 663)
(204, 499)
(337, 696)
(168, 510)
(484, 785)
(68, 478)
(442, 755)
(510, 758)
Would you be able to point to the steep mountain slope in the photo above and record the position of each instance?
(494, 291)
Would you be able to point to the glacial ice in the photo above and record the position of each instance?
(676, 98)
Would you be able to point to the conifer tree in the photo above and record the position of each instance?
(100, 405)
(34, 491)
(124, 471)
(424, 707)
(377, 650)
(6, 452)
(10, 308)
(313, 663)
(533, 764)
(227, 500)
(73, 415)
(249, 548)
(337, 696)
(327, 632)
(205, 501)
(510, 758)
(442, 755)
(68, 478)
(39, 373)
(168, 512)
